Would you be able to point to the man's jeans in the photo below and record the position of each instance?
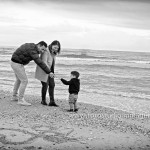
(21, 80)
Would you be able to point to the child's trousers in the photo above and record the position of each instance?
(73, 101)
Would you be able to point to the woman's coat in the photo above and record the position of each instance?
(48, 60)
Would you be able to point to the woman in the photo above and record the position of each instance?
(49, 57)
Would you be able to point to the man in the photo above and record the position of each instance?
(22, 56)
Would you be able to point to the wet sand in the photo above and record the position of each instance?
(92, 127)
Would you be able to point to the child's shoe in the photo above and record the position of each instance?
(75, 110)
(70, 110)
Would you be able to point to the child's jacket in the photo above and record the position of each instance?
(74, 85)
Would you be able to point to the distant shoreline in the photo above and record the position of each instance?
(86, 49)
(117, 112)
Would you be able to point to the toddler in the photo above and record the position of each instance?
(74, 88)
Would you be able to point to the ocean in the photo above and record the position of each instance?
(116, 79)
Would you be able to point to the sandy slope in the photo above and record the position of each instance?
(93, 127)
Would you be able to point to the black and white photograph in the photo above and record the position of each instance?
(74, 75)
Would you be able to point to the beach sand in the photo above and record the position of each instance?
(91, 128)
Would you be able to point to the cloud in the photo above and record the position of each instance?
(125, 13)
(107, 24)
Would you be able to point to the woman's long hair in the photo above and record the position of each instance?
(54, 43)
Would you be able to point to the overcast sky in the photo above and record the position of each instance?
(88, 24)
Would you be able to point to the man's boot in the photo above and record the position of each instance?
(43, 102)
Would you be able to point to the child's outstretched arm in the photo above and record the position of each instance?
(65, 82)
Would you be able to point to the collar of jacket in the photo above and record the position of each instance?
(37, 49)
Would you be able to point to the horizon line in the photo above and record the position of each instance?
(66, 48)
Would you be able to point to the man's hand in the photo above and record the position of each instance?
(52, 75)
